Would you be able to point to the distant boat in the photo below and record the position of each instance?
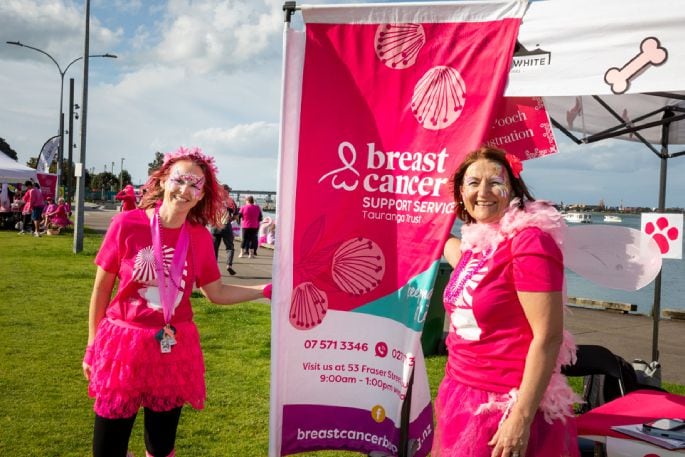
(610, 218)
(578, 218)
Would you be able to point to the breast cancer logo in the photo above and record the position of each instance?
(667, 231)
(345, 177)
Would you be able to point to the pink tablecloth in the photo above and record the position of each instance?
(637, 407)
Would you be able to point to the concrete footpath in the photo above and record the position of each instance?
(628, 335)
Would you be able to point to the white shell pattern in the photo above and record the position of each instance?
(398, 45)
(308, 306)
(358, 266)
(438, 98)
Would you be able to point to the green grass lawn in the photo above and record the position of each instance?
(44, 407)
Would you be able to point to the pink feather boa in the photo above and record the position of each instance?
(557, 401)
(538, 213)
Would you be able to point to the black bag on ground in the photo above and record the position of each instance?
(601, 388)
(606, 376)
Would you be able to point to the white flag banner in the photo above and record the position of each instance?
(47, 154)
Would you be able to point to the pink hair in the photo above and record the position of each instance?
(208, 210)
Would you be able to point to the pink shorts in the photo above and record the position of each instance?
(130, 371)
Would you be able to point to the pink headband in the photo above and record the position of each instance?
(195, 154)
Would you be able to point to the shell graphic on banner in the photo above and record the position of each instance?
(381, 103)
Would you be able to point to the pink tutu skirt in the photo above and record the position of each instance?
(62, 221)
(130, 371)
(460, 432)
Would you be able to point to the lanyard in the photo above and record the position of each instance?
(168, 292)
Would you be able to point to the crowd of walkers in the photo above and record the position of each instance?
(39, 214)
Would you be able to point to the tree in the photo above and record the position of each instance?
(125, 178)
(155, 164)
(105, 180)
(7, 149)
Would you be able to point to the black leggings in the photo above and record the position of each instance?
(111, 436)
(250, 240)
(226, 235)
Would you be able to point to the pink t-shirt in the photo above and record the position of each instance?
(127, 251)
(51, 208)
(27, 202)
(37, 198)
(489, 334)
(250, 216)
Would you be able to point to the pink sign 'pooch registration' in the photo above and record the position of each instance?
(381, 103)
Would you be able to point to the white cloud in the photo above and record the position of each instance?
(55, 26)
(257, 140)
(215, 35)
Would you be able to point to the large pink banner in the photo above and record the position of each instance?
(391, 100)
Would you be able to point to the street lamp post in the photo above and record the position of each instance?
(111, 184)
(121, 174)
(60, 152)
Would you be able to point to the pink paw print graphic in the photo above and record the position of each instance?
(661, 233)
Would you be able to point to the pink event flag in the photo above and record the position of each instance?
(522, 127)
(380, 105)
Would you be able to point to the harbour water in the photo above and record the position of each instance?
(672, 279)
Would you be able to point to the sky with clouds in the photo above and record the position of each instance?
(207, 73)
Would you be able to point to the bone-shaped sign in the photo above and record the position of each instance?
(651, 52)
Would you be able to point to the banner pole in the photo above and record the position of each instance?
(289, 8)
(404, 419)
(656, 307)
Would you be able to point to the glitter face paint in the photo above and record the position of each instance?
(178, 179)
(486, 191)
(499, 184)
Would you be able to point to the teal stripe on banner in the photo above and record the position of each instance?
(408, 305)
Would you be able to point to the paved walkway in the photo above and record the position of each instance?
(627, 335)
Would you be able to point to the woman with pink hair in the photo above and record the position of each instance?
(143, 348)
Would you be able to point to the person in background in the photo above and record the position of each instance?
(37, 204)
(503, 394)
(225, 230)
(5, 198)
(48, 212)
(26, 208)
(60, 216)
(127, 196)
(143, 348)
(250, 216)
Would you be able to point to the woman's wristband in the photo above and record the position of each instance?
(88, 357)
(266, 291)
